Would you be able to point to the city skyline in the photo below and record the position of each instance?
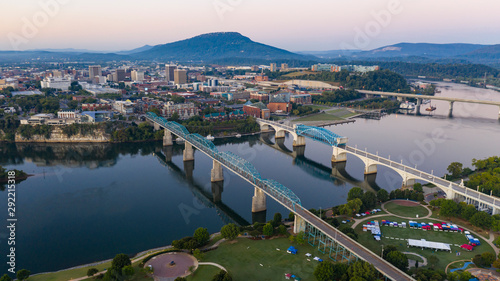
(291, 25)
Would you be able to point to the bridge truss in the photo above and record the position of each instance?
(327, 245)
(232, 161)
(320, 134)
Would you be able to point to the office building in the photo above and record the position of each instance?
(56, 83)
(184, 110)
(169, 72)
(284, 67)
(94, 71)
(180, 76)
(137, 76)
(273, 67)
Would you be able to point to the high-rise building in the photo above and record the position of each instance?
(137, 76)
(169, 72)
(273, 67)
(180, 76)
(120, 75)
(284, 67)
(94, 70)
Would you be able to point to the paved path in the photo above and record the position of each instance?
(214, 264)
(424, 263)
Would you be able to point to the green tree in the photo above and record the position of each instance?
(388, 249)
(268, 229)
(229, 231)
(282, 230)
(201, 235)
(351, 207)
(455, 169)
(300, 238)
(155, 111)
(355, 192)
(128, 271)
(198, 254)
(496, 263)
(418, 187)
(449, 208)
(481, 219)
(398, 259)
(5, 277)
(277, 219)
(362, 269)
(468, 211)
(324, 271)
(291, 216)
(222, 276)
(23, 274)
(488, 258)
(369, 200)
(120, 261)
(92, 271)
(180, 279)
(382, 195)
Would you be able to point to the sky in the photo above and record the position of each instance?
(295, 25)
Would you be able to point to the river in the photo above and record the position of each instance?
(89, 202)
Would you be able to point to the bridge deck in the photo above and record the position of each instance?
(429, 97)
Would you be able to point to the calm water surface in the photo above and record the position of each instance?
(89, 202)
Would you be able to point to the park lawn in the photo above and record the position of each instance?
(203, 273)
(445, 258)
(320, 107)
(248, 259)
(318, 117)
(68, 274)
(341, 112)
(406, 211)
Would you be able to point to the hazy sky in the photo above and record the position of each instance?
(290, 24)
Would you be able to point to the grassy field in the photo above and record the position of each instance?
(406, 211)
(342, 113)
(445, 258)
(246, 259)
(203, 273)
(81, 272)
(320, 107)
(318, 117)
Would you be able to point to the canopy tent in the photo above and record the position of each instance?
(429, 245)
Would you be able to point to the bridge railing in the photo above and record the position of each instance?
(428, 177)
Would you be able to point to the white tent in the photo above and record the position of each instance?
(429, 245)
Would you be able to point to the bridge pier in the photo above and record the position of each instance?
(156, 126)
(299, 141)
(370, 169)
(417, 108)
(279, 134)
(450, 113)
(216, 173)
(299, 224)
(188, 153)
(217, 188)
(167, 138)
(408, 182)
(338, 155)
(258, 201)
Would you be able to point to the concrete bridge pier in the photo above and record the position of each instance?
(156, 126)
(216, 173)
(280, 134)
(188, 153)
(417, 109)
(167, 138)
(370, 169)
(450, 113)
(299, 224)
(217, 188)
(168, 151)
(338, 155)
(299, 141)
(408, 182)
(258, 201)
(259, 217)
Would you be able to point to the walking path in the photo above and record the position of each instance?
(446, 269)
(214, 264)
(424, 263)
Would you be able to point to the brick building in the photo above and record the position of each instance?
(258, 110)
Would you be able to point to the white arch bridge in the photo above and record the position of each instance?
(483, 202)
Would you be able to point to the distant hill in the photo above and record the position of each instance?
(421, 50)
(332, 54)
(137, 50)
(216, 46)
